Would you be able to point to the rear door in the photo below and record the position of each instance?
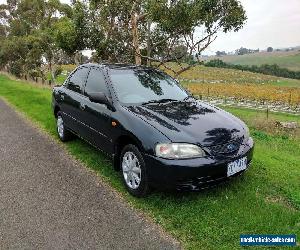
(97, 116)
(72, 103)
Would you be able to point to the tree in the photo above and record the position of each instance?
(141, 31)
(242, 51)
(110, 32)
(221, 53)
(269, 49)
(32, 25)
(21, 55)
(155, 27)
(71, 33)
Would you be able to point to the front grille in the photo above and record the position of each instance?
(231, 147)
(201, 183)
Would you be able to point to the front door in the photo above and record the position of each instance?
(98, 116)
(72, 104)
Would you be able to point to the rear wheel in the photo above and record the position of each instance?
(63, 133)
(134, 171)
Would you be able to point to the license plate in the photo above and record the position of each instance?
(236, 166)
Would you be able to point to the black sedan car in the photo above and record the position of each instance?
(157, 134)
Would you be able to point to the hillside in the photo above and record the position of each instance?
(202, 74)
(285, 59)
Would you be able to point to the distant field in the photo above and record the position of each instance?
(289, 59)
(202, 74)
(259, 93)
(241, 85)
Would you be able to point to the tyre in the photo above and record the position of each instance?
(63, 133)
(134, 171)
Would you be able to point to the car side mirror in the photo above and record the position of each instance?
(100, 97)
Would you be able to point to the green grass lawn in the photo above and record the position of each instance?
(59, 79)
(265, 200)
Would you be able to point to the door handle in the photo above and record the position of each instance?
(82, 106)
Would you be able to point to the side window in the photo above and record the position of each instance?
(96, 82)
(77, 80)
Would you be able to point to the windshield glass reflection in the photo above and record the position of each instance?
(136, 86)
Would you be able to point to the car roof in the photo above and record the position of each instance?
(115, 66)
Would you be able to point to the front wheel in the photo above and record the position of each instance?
(63, 133)
(134, 171)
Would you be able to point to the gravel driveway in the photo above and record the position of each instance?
(49, 201)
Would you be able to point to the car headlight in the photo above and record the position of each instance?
(178, 151)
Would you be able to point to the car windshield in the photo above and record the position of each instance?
(135, 86)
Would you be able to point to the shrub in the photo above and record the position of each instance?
(57, 71)
(16, 69)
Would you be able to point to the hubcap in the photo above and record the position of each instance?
(60, 126)
(131, 170)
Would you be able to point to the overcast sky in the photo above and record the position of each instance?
(273, 23)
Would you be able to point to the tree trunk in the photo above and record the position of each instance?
(148, 42)
(135, 39)
(51, 72)
(77, 58)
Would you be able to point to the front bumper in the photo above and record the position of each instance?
(194, 174)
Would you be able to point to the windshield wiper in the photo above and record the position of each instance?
(188, 97)
(160, 101)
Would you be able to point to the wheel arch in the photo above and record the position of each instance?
(120, 143)
(56, 110)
